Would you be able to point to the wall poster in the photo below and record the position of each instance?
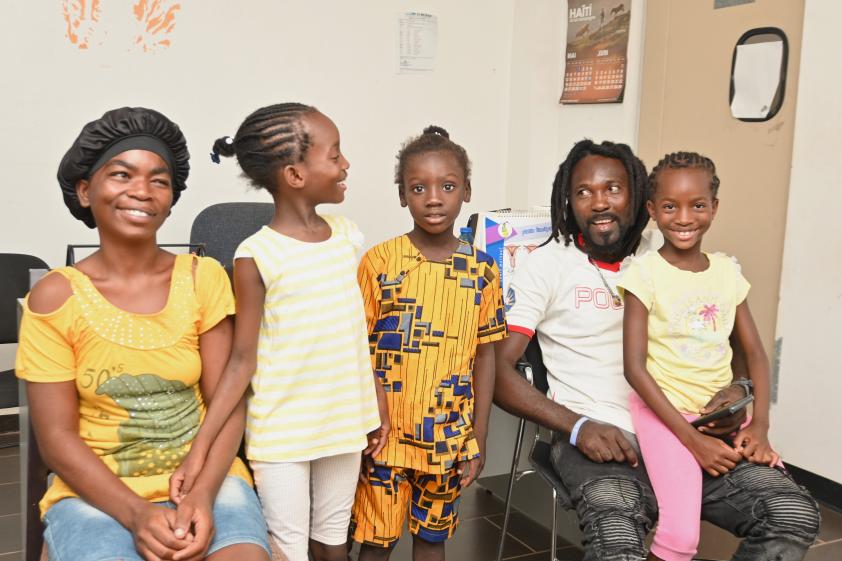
(509, 236)
(417, 42)
(597, 40)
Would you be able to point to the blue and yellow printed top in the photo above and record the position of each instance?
(425, 320)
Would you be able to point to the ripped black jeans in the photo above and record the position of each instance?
(777, 519)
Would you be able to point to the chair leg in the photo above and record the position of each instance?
(554, 526)
(512, 477)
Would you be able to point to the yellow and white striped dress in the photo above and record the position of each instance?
(313, 391)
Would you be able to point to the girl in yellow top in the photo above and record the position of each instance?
(682, 306)
(300, 340)
(121, 352)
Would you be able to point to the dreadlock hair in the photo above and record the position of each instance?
(683, 160)
(433, 139)
(270, 138)
(561, 211)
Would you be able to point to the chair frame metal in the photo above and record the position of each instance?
(70, 259)
(560, 499)
(525, 369)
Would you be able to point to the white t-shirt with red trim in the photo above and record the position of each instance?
(559, 293)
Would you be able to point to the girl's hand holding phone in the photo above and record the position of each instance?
(713, 455)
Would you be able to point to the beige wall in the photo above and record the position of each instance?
(496, 88)
(227, 59)
(541, 131)
(810, 314)
(685, 106)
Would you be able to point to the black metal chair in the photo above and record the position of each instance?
(197, 248)
(36, 470)
(14, 284)
(531, 367)
(221, 228)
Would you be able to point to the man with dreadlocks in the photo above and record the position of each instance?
(565, 294)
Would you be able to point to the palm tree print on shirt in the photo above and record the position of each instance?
(709, 313)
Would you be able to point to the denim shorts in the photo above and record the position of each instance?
(71, 524)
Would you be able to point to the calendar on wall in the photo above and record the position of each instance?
(595, 57)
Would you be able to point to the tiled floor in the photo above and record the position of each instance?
(476, 539)
(479, 533)
(10, 526)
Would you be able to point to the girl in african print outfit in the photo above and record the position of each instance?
(434, 307)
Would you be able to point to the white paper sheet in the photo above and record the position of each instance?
(756, 76)
(417, 42)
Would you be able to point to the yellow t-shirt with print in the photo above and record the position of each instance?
(137, 375)
(691, 317)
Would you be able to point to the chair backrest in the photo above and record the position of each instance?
(70, 260)
(14, 284)
(534, 357)
(221, 227)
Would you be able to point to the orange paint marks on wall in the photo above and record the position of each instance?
(158, 20)
(142, 25)
(81, 17)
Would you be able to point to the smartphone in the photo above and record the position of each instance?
(725, 411)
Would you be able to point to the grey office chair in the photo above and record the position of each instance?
(221, 228)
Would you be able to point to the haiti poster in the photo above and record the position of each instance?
(597, 41)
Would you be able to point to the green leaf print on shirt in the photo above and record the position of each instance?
(163, 419)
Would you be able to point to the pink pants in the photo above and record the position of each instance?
(676, 480)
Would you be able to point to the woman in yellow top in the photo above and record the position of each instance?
(121, 353)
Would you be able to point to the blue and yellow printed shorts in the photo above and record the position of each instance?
(381, 503)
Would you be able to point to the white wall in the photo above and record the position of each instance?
(496, 88)
(229, 58)
(805, 421)
(541, 130)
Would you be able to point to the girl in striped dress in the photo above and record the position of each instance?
(300, 338)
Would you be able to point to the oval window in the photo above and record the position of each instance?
(758, 74)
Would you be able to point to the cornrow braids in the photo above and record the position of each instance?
(564, 224)
(432, 139)
(268, 139)
(683, 160)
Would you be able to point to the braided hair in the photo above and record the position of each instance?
(561, 211)
(683, 160)
(433, 139)
(270, 138)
